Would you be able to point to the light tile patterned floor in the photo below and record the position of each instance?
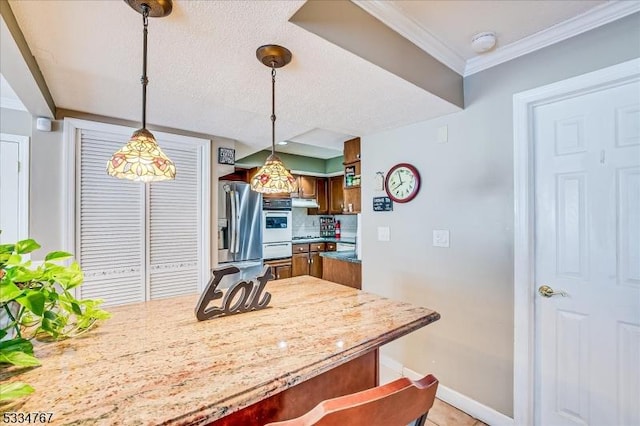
(443, 414)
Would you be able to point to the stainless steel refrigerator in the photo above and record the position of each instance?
(239, 229)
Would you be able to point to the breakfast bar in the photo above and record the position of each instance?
(154, 363)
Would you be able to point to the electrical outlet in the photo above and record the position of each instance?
(441, 238)
(383, 233)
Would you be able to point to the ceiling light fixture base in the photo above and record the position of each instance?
(483, 42)
(157, 8)
(273, 55)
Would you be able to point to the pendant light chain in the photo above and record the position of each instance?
(144, 80)
(273, 108)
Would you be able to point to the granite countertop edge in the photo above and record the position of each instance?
(345, 256)
(210, 414)
(345, 240)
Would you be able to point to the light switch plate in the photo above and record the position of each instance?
(443, 134)
(441, 238)
(383, 233)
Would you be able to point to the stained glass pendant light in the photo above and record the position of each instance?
(141, 159)
(273, 177)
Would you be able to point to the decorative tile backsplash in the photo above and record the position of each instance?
(309, 225)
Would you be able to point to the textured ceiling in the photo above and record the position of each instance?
(204, 75)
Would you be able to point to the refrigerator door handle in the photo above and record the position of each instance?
(237, 247)
(233, 222)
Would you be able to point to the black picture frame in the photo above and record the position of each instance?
(226, 155)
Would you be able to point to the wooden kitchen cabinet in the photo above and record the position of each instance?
(351, 151)
(306, 259)
(336, 195)
(280, 268)
(306, 187)
(342, 272)
(322, 189)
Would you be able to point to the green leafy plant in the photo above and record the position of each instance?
(37, 302)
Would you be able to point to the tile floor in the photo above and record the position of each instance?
(443, 414)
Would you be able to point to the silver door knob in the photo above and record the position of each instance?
(546, 291)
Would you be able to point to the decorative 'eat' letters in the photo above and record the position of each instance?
(248, 301)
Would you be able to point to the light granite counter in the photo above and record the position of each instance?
(154, 363)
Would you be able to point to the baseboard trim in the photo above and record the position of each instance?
(462, 402)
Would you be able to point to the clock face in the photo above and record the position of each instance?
(402, 183)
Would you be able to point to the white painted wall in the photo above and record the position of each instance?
(467, 188)
(45, 200)
(15, 122)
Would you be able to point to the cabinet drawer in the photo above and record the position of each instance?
(331, 247)
(278, 262)
(300, 248)
(317, 247)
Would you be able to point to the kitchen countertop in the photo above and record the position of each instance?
(155, 363)
(345, 240)
(347, 256)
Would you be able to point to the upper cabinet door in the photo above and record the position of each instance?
(322, 192)
(336, 195)
(352, 150)
(307, 187)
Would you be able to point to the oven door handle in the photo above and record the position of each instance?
(275, 244)
(234, 225)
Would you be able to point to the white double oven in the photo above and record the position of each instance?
(276, 228)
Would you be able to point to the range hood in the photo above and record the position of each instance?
(305, 203)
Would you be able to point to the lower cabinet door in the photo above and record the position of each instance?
(283, 272)
(315, 267)
(300, 264)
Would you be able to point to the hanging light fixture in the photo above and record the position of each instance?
(273, 177)
(141, 159)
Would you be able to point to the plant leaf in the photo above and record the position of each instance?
(34, 301)
(14, 390)
(17, 344)
(8, 291)
(57, 255)
(76, 308)
(7, 248)
(26, 246)
(18, 358)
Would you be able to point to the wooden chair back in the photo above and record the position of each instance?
(395, 404)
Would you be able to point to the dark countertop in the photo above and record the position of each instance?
(347, 256)
(345, 240)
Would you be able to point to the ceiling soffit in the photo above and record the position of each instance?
(380, 45)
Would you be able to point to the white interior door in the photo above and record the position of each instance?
(587, 244)
(14, 188)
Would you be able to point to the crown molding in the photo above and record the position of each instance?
(391, 16)
(10, 103)
(593, 18)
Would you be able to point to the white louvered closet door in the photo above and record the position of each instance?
(110, 237)
(174, 223)
(137, 241)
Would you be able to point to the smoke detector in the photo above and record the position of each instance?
(483, 42)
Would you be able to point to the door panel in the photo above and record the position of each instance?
(587, 244)
(315, 268)
(299, 264)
